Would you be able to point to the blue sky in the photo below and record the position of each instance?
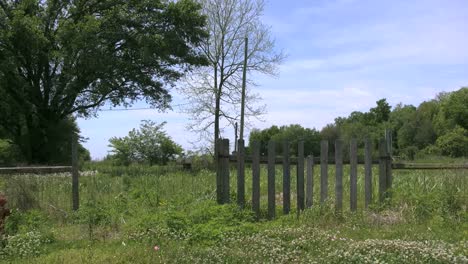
(343, 55)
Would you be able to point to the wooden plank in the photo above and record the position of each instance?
(225, 171)
(323, 171)
(35, 170)
(256, 178)
(293, 160)
(382, 169)
(219, 170)
(271, 179)
(310, 181)
(240, 173)
(300, 175)
(368, 172)
(353, 175)
(75, 175)
(339, 175)
(426, 166)
(286, 179)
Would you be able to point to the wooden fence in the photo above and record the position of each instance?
(73, 169)
(304, 188)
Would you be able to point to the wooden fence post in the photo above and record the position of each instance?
(286, 179)
(300, 175)
(353, 175)
(240, 173)
(382, 169)
(219, 169)
(323, 171)
(225, 170)
(310, 181)
(339, 175)
(75, 174)
(368, 172)
(271, 179)
(256, 178)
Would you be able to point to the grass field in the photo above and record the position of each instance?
(126, 212)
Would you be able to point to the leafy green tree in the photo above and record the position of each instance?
(454, 143)
(149, 144)
(69, 57)
(292, 133)
(382, 111)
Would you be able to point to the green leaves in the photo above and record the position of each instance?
(150, 144)
(69, 57)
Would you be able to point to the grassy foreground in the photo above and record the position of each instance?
(155, 215)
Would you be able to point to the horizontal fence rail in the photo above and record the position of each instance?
(35, 170)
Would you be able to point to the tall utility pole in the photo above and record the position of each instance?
(243, 90)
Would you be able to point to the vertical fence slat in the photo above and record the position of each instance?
(353, 175)
(240, 173)
(271, 179)
(75, 175)
(286, 179)
(310, 181)
(382, 169)
(323, 171)
(256, 178)
(225, 171)
(300, 175)
(368, 172)
(339, 175)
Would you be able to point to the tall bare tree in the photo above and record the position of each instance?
(214, 92)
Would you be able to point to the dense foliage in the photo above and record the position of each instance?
(150, 144)
(69, 57)
(292, 133)
(435, 127)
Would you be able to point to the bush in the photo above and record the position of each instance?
(9, 153)
(454, 143)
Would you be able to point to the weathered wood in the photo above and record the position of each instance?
(271, 179)
(75, 175)
(368, 172)
(35, 170)
(310, 181)
(219, 171)
(286, 179)
(256, 178)
(353, 175)
(382, 169)
(225, 171)
(293, 160)
(425, 166)
(240, 173)
(300, 175)
(339, 175)
(388, 167)
(323, 171)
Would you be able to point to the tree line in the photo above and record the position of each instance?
(435, 127)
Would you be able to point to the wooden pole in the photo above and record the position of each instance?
(286, 179)
(256, 178)
(323, 171)
(271, 179)
(368, 172)
(339, 175)
(244, 77)
(75, 174)
(310, 181)
(240, 174)
(300, 176)
(225, 171)
(353, 175)
(219, 170)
